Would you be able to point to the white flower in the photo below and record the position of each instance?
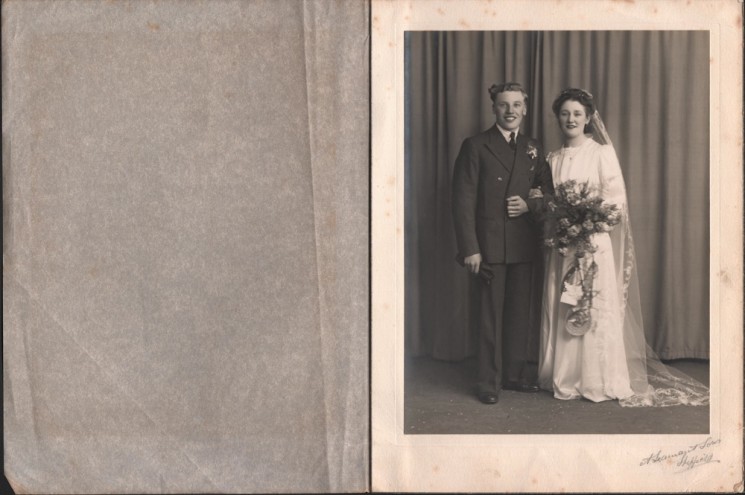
(572, 294)
(532, 152)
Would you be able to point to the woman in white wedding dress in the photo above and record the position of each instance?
(612, 359)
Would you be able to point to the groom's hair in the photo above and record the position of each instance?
(495, 89)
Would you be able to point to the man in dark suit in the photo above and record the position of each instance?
(498, 181)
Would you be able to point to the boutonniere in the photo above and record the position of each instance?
(532, 152)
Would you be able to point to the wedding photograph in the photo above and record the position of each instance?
(557, 232)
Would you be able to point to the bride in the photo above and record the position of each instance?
(592, 337)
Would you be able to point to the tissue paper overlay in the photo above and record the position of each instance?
(185, 220)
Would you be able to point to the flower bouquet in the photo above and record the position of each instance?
(578, 212)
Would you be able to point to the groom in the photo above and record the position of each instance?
(498, 228)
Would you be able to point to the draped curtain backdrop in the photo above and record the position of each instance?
(652, 90)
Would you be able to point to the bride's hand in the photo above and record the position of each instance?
(535, 193)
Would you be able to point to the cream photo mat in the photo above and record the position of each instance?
(502, 463)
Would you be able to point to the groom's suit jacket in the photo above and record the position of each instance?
(487, 172)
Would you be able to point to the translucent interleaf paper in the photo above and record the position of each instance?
(185, 220)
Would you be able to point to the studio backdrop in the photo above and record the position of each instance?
(652, 90)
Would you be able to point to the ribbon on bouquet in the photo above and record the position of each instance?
(577, 291)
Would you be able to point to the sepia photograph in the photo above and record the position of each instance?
(557, 232)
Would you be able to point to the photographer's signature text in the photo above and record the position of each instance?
(692, 456)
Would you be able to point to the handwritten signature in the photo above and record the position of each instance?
(694, 455)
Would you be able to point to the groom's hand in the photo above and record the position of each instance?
(516, 206)
(472, 262)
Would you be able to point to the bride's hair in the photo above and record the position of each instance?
(581, 96)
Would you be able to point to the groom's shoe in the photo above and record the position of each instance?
(488, 397)
(521, 387)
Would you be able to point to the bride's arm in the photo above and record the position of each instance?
(613, 188)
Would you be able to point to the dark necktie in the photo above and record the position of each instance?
(512, 141)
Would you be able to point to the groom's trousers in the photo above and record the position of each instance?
(505, 323)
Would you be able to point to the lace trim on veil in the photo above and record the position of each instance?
(665, 386)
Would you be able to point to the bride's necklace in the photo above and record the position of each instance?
(569, 152)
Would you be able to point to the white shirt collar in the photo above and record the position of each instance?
(506, 133)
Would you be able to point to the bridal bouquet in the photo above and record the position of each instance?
(578, 212)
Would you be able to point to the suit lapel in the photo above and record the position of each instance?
(501, 149)
(522, 160)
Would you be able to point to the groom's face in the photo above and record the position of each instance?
(510, 108)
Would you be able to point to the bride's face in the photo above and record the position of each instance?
(572, 119)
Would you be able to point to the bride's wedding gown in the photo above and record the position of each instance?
(612, 360)
(594, 365)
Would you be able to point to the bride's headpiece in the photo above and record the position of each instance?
(576, 91)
